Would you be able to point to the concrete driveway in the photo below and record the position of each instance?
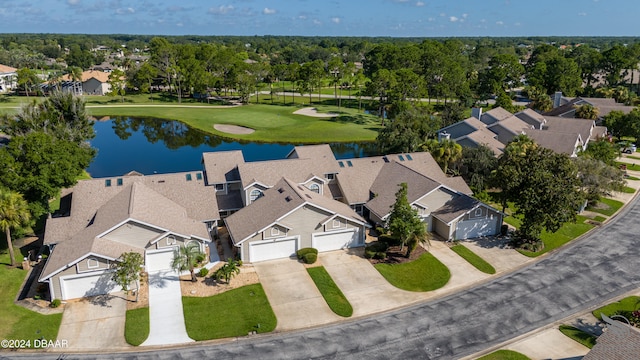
(293, 296)
(364, 287)
(95, 323)
(166, 318)
(494, 250)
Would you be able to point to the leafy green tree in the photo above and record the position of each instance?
(452, 113)
(503, 73)
(404, 222)
(504, 101)
(14, 213)
(118, 83)
(602, 150)
(543, 185)
(615, 122)
(230, 269)
(143, 78)
(186, 258)
(586, 111)
(381, 85)
(540, 100)
(598, 179)
(589, 60)
(127, 270)
(614, 61)
(79, 57)
(444, 152)
(27, 79)
(407, 131)
(475, 166)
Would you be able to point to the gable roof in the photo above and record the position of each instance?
(455, 208)
(495, 114)
(135, 202)
(512, 124)
(4, 69)
(101, 76)
(532, 118)
(569, 125)
(284, 197)
(222, 166)
(562, 143)
(619, 341)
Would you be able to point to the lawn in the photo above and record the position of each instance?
(634, 167)
(272, 123)
(423, 274)
(330, 291)
(578, 335)
(628, 190)
(606, 206)
(473, 259)
(630, 303)
(136, 328)
(566, 233)
(236, 312)
(599, 218)
(18, 322)
(504, 355)
(632, 178)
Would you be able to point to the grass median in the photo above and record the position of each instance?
(331, 293)
(426, 273)
(578, 335)
(504, 355)
(136, 328)
(473, 259)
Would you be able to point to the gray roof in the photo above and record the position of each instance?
(619, 341)
(455, 208)
(488, 138)
(512, 124)
(134, 201)
(285, 196)
(562, 143)
(221, 166)
(531, 117)
(495, 114)
(568, 125)
(89, 195)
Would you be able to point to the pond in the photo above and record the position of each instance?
(150, 146)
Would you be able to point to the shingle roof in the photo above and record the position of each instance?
(355, 181)
(531, 117)
(221, 166)
(569, 125)
(285, 196)
(513, 124)
(134, 201)
(562, 143)
(496, 114)
(7, 69)
(86, 75)
(455, 208)
(89, 195)
(619, 341)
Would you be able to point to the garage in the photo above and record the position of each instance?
(336, 240)
(88, 285)
(273, 249)
(159, 260)
(470, 229)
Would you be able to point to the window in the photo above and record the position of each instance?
(188, 176)
(478, 212)
(330, 176)
(315, 188)
(409, 157)
(255, 195)
(336, 223)
(92, 263)
(219, 187)
(171, 240)
(119, 182)
(341, 164)
(349, 163)
(199, 176)
(107, 183)
(275, 231)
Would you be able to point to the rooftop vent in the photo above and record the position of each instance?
(280, 190)
(308, 196)
(385, 159)
(288, 198)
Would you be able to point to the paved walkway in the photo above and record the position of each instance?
(166, 318)
(293, 296)
(462, 272)
(495, 251)
(95, 323)
(549, 344)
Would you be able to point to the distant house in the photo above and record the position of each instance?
(496, 127)
(8, 77)
(93, 83)
(619, 341)
(566, 107)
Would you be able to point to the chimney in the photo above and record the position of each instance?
(444, 136)
(557, 97)
(476, 112)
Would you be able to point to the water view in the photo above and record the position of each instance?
(151, 146)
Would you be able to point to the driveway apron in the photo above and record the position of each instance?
(293, 295)
(166, 318)
(95, 323)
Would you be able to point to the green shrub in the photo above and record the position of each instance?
(302, 252)
(310, 258)
(55, 303)
(376, 250)
(200, 258)
(389, 240)
(203, 272)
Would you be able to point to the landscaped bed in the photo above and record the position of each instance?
(331, 293)
(236, 312)
(136, 328)
(425, 273)
(623, 307)
(473, 259)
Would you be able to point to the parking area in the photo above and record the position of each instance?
(95, 323)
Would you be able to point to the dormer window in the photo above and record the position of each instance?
(255, 195)
(275, 231)
(478, 212)
(171, 240)
(92, 263)
(315, 188)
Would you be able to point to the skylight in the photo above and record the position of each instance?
(341, 164)
(107, 183)
(119, 182)
(401, 157)
(349, 163)
(409, 157)
(199, 176)
(188, 177)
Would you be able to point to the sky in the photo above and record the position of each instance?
(393, 18)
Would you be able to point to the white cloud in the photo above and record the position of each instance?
(464, 16)
(302, 17)
(499, 23)
(122, 11)
(419, 3)
(517, 24)
(317, 22)
(582, 14)
(431, 19)
(335, 20)
(179, 24)
(443, 14)
(222, 9)
(268, 11)
(73, 2)
(453, 18)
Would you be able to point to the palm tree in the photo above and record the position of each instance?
(14, 212)
(586, 111)
(444, 152)
(185, 258)
(75, 73)
(228, 270)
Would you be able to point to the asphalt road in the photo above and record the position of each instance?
(588, 272)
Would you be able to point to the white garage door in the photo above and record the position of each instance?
(89, 285)
(161, 260)
(335, 241)
(476, 228)
(273, 249)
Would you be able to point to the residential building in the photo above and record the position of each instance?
(8, 78)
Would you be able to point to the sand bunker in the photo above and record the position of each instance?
(311, 111)
(233, 129)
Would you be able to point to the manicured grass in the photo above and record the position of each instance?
(630, 166)
(633, 157)
(473, 259)
(566, 233)
(632, 178)
(423, 274)
(504, 355)
(578, 335)
(606, 206)
(272, 123)
(630, 303)
(599, 218)
(136, 328)
(628, 190)
(18, 322)
(236, 312)
(331, 293)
